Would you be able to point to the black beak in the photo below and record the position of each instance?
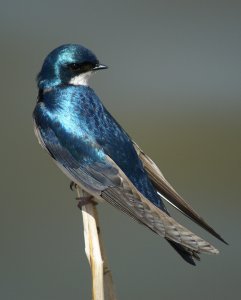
(99, 67)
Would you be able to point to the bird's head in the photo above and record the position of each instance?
(68, 64)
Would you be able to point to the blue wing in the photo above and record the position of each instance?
(95, 152)
(91, 124)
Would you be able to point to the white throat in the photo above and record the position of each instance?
(82, 79)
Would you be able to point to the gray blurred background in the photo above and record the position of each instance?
(174, 85)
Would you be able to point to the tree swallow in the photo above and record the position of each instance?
(94, 151)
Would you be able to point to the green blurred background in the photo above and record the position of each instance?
(174, 85)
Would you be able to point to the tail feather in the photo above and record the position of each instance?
(188, 255)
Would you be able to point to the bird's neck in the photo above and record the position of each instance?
(68, 97)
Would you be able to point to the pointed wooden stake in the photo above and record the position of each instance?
(102, 283)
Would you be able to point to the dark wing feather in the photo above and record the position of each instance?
(93, 177)
(130, 201)
(110, 183)
(167, 191)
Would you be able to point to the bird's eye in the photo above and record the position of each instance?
(81, 68)
(74, 67)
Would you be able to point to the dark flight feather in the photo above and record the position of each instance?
(166, 190)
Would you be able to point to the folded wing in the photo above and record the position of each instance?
(166, 191)
(105, 179)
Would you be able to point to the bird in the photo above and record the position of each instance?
(97, 154)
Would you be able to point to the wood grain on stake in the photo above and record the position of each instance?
(102, 283)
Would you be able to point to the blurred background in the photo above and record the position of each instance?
(174, 85)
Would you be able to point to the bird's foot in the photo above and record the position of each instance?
(83, 200)
(73, 185)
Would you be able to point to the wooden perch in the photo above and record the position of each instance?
(102, 283)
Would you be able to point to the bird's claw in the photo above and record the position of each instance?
(83, 200)
(73, 185)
